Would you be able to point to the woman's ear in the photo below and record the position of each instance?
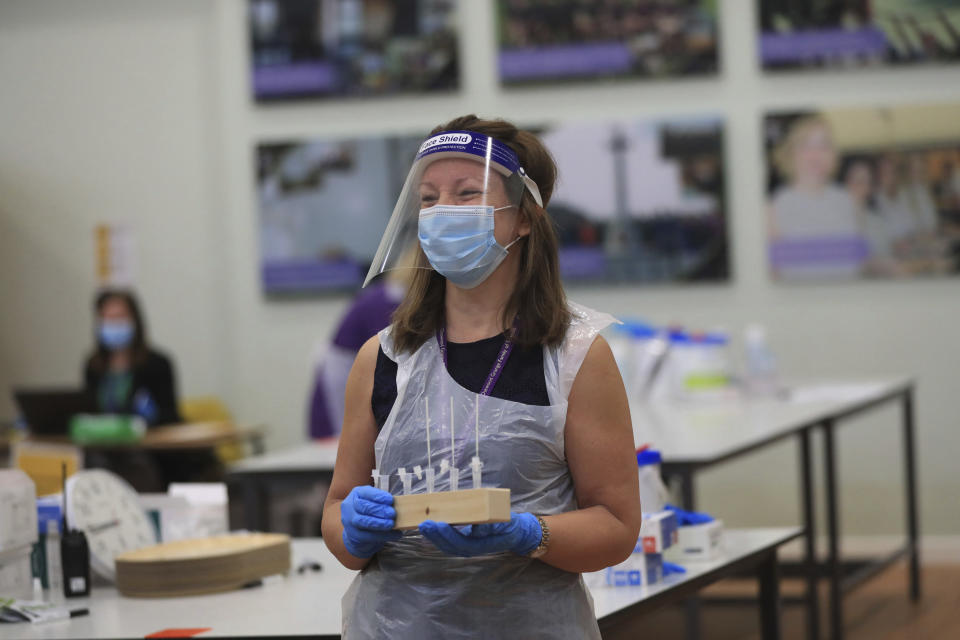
(523, 229)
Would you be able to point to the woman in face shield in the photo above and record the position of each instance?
(486, 374)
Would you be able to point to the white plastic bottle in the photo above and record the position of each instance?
(761, 365)
(653, 493)
(54, 566)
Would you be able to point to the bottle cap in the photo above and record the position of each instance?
(648, 456)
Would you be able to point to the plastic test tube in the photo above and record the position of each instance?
(431, 479)
(475, 466)
(406, 479)
(454, 479)
(379, 481)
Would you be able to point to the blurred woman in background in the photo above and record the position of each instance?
(125, 375)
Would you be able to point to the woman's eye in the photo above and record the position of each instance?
(469, 193)
(427, 199)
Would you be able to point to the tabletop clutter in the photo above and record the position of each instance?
(672, 363)
(176, 544)
(669, 537)
(99, 531)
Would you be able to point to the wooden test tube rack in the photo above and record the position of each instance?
(469, 506)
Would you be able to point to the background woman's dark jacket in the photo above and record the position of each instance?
(152, 376)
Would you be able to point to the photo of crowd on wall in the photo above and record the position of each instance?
(841, 34)
(329, 48)
(556, 40)
(884, 206)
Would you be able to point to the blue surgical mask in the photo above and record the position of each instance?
(116, 334)
(459, 242)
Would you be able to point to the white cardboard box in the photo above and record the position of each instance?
(698, 542)
(658, 532)
(18, 510)
(16, 575)
(640, 569)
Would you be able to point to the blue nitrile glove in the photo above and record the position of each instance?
(520, 535)
(687, 518)
(368, 520)
(144, 406)
(670, 567)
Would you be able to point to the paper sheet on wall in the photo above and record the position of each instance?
(115, 255)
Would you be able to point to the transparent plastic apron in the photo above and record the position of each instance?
(410, 589)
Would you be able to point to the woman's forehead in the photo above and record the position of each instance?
(114, 306)
(450, 170)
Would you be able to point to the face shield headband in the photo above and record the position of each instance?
(469, 144)
(400, 246)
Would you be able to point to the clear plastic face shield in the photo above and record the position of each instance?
(460, 183)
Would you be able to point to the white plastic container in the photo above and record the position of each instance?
(649, 356)
(653, 493)
(701, 367)
(760, 370)
(638, 349)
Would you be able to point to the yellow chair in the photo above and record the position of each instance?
(43, 462)
(212, 409)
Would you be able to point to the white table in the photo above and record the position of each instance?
(309, 604)
(710, 431)
(317, 455)
(693, 437)
(310, 461)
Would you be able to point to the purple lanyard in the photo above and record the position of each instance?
(498, 364)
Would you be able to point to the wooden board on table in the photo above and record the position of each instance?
(206, 565)
(470, 506)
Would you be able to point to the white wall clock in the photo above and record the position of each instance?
(105, 507)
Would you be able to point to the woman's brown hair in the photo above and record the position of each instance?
(538, 299)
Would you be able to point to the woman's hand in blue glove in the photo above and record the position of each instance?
(520, 535)
(368, 521)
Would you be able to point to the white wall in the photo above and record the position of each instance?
(170, 149)
(107, 112)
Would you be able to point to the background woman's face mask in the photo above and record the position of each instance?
(459, 242)
(115, 334)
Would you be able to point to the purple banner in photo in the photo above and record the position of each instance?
(565, 61)
(823, 250)
(292, 79)
(813, 45)
(582, 262)
(310, 275)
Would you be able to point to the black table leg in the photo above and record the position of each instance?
(810, 530)
(254, 505)
(768, 575)
(833, 532)
(911, 487)
(688, 493)
(688, 500)
(250, 504)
